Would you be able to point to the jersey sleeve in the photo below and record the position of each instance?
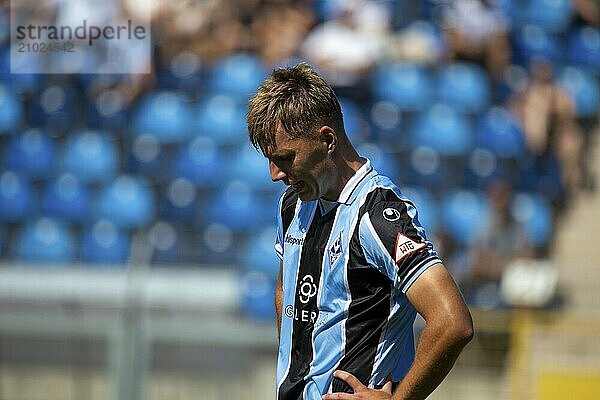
(394, 242)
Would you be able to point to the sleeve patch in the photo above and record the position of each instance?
(405, 246)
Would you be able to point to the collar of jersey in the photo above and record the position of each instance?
(350, 191)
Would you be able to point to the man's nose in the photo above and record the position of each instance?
(277, 173)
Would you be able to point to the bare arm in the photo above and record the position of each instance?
(279, 298)
(448, 328)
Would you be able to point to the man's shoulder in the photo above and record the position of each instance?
(381, 189)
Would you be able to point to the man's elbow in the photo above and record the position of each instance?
(461, 331)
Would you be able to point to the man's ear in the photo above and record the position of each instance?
(329, 138)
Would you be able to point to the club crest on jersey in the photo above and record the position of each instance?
(405, 246)
(335, 251)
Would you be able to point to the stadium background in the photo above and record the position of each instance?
(136, 221)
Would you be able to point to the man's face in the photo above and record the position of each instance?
(302, 163)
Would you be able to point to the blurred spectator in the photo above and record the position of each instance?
(278, 31)
(348, 47)
(547, 115)
(476, 30)
(502, 239)
(588, 11)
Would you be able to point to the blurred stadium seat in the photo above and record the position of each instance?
(104, 243)
(31, 154)
(483, 168)
(12, 110)
(237, 75)
(239, 208)
(17, 201)
(384, 162)
(249, 165)
(405, 84)
(535, 213)
(91, 156)
(66, 198)
(464, 86)
(584, 47)
(45, 241)
(166, 115)
(444, 129)
(220, 117)
(200, 161)
(128, 202)
(499, 132)
(257, 296)
(551, 15)
(532, 42)
(178, 201)
(259, 252)
(583, 88)
(464, 213)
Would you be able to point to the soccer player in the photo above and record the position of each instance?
(356, 265)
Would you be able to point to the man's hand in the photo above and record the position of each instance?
(361, 392)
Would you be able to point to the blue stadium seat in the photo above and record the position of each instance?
(55, 106)
(179, 201)
(483, 168)
(16, 198)
(91, 156)
(464, 214)
(428, 212)
(425, 168)
(542, 175)
(237, 75)
(222, 118)
(256, 297)
(108, 111)
(583, 88)
(407, 85)
(464, 86)
(104, 243)
(584, 47)
(12, 110)
(31, 154)
(249, 165)
(66, 198)
(535, 213)
(171, 245)
(128, 202)
(551, 15)
(217, 244)
(45, 240)
(532, 42)
(238, 207)
(259, 252)
(146, 156)
(29, 83)
(383, 161)
(444, 129)
(387, 122)
(200, 161)
(354, 122)
(166, 115)
(499, 132)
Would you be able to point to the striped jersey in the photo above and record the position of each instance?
(346, 268)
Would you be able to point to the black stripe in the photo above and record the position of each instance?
(311, 261)
(288, 207)
(368, 312)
